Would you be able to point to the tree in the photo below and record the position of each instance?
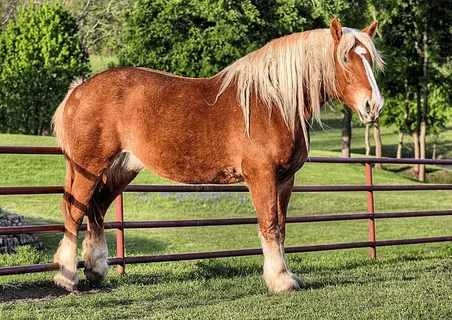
(414, 40)
(100, 22)
(7, 11)
(201, 37)
(40, 55)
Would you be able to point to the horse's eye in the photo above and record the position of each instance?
(346, 59)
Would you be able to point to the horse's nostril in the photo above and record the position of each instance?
(367, 106)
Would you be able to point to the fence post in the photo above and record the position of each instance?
(120, 233)
(370, 210)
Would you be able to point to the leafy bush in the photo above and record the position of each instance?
(25, 255)
(40, 54)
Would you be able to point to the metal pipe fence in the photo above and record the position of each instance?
(120, 225)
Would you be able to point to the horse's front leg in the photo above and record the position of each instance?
(284, 193)
(265, 192)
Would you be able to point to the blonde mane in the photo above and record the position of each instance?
(288, 70)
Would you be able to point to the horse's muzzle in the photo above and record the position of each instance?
(371, 111)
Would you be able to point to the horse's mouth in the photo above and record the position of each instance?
(367, 117)
(370, 114)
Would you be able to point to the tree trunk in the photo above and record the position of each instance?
(423, 131)
(416, 131)
(378, 145)
(435, 147)
(400, 145)
(366, 139)
(413, 133)
(346, 132)
(416, 148)
(422, 150)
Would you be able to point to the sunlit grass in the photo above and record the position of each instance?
(405, 281)
(101, 63)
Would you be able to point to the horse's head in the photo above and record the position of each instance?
(355, 81)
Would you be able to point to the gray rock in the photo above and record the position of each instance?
(8, 243)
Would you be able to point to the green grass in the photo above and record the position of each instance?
(100, 63)
(405, 282)
(403, 288)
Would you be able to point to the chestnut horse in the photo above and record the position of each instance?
(248, 123)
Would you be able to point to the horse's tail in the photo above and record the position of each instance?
(57, 120)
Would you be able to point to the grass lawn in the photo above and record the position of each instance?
(405, 282)
(100, 63)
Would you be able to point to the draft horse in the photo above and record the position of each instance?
(249, 123)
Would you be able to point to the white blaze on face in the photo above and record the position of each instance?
(377, 100)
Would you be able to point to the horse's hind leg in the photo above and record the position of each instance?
(95, 251)
(115, 179)
(78, 189)
(270, 201)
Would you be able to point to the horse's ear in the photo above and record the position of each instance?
(372, 29)
(336, 30)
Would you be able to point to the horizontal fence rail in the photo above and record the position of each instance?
(186, 189)
(121, 260)
(226, 254)
(221, 222)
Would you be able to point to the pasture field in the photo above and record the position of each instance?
(100, 63)
(405, 282)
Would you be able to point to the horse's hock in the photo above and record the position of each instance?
(8, 243)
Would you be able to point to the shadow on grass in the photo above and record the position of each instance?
(40, 291)
(196, 270)
(31, 291)
(406, 267)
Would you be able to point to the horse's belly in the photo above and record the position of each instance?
(199, 175)
(193, 169)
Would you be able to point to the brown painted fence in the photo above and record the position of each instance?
(121, 260)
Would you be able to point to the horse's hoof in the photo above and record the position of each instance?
(284, 282)
(65, 283)
(93, 276)
(299, 281)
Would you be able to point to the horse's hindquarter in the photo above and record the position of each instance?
(175, 128)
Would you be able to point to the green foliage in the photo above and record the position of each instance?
(403, 25)
(101, 22)
(352, 14)
(201, 37)
(40, 55)
(24, 255)
(439, 112)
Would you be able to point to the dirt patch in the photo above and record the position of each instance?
(411, 173)
(38, 292)
(20, 293)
